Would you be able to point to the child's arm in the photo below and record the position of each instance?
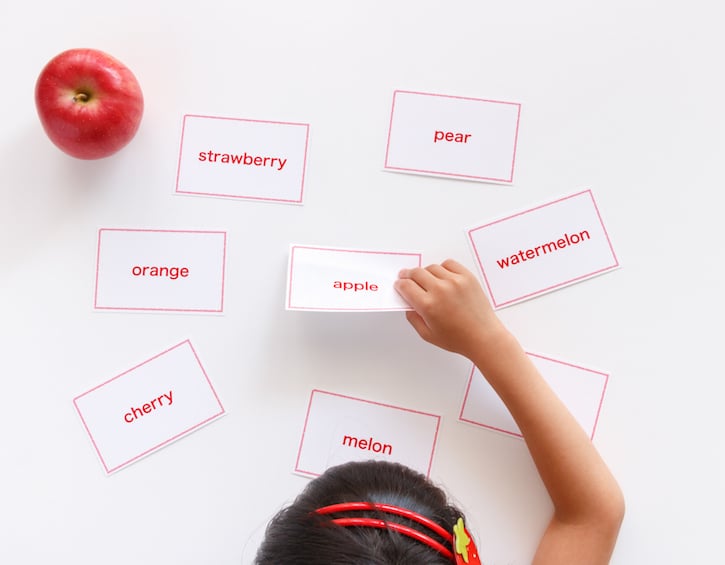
(452, 312)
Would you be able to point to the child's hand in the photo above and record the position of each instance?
(450, 309)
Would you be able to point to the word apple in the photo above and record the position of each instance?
(89, 103)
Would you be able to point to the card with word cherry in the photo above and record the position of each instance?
(148, 407)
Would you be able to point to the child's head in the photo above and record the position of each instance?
(300, 535)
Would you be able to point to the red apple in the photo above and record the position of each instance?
(90, 104)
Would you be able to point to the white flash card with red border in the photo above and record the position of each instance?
(350, 280)
(542, 249)
(242, 158)
(160, 270)
(148, 406)
(453, 136)
(580, 389)
(341, 428)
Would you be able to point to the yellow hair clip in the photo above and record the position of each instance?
(464, 548)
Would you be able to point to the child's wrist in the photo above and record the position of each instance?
(491, 345)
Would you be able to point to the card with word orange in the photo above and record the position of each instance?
(160, 270)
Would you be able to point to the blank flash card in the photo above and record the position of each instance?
(580, 389)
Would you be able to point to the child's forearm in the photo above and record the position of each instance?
(451, 311)
(578, 481)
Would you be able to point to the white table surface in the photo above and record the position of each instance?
(625, 98)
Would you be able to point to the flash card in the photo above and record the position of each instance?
(327, 278)
(241, 158)
(341, 428)
(148, 406)
(452, 136)
(580, 389)
(542, 249)
(161, 270)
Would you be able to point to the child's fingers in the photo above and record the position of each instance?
(455, 267)
(419, 325)
(422, 277)
(410, 291)
(439, 271)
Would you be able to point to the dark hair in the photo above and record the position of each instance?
(296, 535)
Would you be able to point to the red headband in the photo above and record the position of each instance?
(464, 549)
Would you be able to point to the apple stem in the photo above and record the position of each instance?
(81, 97)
